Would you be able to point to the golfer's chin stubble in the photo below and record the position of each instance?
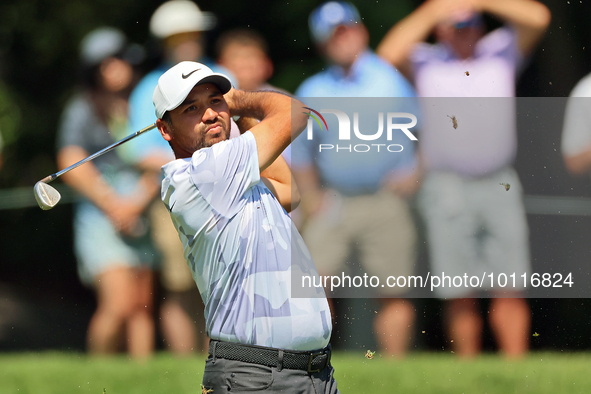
(211, 140)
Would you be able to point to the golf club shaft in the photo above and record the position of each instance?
(101, 152)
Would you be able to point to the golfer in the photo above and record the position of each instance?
(228, 200)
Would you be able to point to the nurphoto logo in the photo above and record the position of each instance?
(315, 118)
(392, 124)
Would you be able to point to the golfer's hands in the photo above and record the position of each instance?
(244, 104)
(231, 99)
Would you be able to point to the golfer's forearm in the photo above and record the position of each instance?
(256, 105)
(278, 122)
(270, 107)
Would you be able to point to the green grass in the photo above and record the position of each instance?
(63, 373)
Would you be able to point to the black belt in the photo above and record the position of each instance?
(310, 361)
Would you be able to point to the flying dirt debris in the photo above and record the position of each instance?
(454, 121)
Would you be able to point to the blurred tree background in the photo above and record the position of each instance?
(38, 67)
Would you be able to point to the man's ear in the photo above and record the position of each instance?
(164, 129)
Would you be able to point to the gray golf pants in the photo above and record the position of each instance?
(224, 376)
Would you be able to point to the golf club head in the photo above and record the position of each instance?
(47, 197)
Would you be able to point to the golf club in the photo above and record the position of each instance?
(47, 197)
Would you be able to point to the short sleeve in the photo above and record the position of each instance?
(225, 172)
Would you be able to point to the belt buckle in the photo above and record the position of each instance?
(312, 355)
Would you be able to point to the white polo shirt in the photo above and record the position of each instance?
(238, 243)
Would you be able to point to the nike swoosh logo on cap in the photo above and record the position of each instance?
(185, 76)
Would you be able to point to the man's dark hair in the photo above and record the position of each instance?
(166, 117)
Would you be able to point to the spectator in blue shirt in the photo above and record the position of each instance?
(352, 199)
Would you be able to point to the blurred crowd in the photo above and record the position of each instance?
(126, 245)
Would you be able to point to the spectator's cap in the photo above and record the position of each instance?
(326, 18)
(106, 42)
(464, 19)
(100, 44)
(180, 16)
(175, 85)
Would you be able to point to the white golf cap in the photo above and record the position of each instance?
(180, 16)
(175, 85)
